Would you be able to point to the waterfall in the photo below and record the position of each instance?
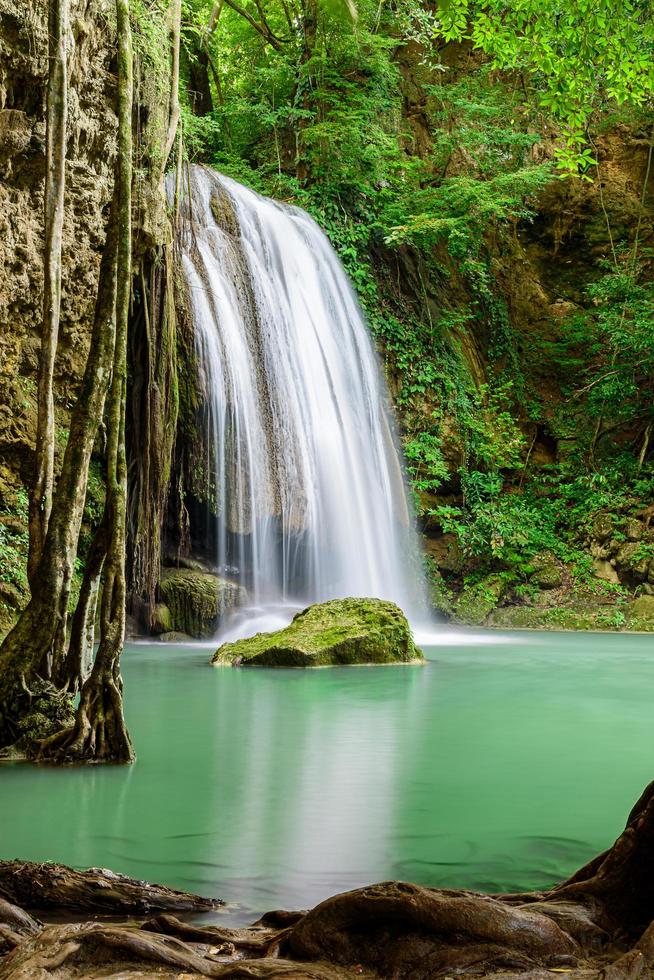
(309, 490)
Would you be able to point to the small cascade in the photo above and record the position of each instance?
(307, 481)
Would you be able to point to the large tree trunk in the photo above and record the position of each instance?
(99, 733)
(154, 412)
(200, 88)
(175, 12)
(79, 660)
(40, 503)
(38, 638)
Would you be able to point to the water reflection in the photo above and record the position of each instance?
(496, 767)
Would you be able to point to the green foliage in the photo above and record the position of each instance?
(425, 458)
(616, 334)
(579, 56)
(501, 522)
(14, 542)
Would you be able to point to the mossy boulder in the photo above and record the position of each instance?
(175, 637)
(640, 613)
(547, 573)
(605, 571)
(633, 558)
(337, 633)
(162, 619)
(197, 600)
(603, 526)
(479, 599)
(633, 529)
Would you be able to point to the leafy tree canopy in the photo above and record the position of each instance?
(581, 55)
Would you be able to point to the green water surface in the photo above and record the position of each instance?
(504, 763)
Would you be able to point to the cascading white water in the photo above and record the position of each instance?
(308, 483)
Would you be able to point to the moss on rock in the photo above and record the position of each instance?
(197, 600)
(547, 573)
(479, 599)
(162, 619)
(561, 618)
(640, 613)
(340, 632)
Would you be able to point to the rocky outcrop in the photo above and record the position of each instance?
(342, 632)
(194, 602)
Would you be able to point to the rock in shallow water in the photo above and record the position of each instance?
(197, 600)
(340, 632)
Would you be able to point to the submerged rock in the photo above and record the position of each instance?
(340, 632)
(197, 600)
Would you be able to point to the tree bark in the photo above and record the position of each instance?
(38, 637)
(99, 733)
(174, 114)
(79, 660)
(54, 886)
(40, 503)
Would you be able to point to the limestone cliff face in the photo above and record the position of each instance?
(89, 182)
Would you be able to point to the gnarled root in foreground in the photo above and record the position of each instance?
(399, 929)
(621, 880)
(55, 886)
(91, 949)
(99, 733)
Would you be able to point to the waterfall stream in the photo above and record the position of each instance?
(309, 490)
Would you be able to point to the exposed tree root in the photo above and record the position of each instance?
(43, 886)
(394, 925)
(15, 926)
(621, 880)
(99, 733)
(90, 950)
(258, 940)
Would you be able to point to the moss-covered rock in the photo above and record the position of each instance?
(174, 636)
(336, 633)
(605, 571)
(640, 613)
(197, 600)
(478, 600)
(633, 558)
(633, 529)
(162, 620)
(547, 572)
(537, 618)
(603, 526)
